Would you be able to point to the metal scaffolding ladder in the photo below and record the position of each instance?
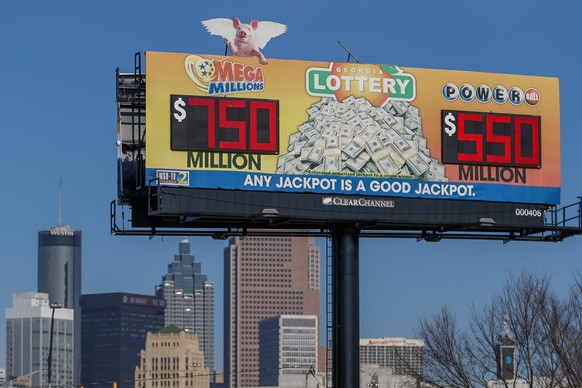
(329, 291)
(131, 98)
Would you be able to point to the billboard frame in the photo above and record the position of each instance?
(162, 210)
(558, 223)
(397, 135)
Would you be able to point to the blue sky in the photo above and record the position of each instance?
(58, 119)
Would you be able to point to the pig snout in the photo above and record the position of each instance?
(244, 33)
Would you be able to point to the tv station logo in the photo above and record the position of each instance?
(173, 177)
(484, 93)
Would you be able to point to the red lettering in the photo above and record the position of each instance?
(259, 75)
(223, 70)
(534, 123)
(476, 138)
(239, 144)
(209, 104)
(238, 72)
(226, 124)
(271, 107)
(249, 73)
(492, 138)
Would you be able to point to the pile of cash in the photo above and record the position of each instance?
(355, 137)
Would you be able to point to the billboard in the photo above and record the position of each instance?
(216, 122)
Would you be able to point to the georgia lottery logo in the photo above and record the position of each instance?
(484, 93)
(213, 76)
(378, 84)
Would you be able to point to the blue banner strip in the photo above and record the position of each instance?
(351, 185)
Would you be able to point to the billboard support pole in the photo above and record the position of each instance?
(346, 308)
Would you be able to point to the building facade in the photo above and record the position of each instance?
(264, 277)
(204, 321)
(28, 340)
(403, 356)
(171, 358)
(59, 274)
(504, 354)
(114, 330)
(288, 347)
(189, 299)
(374, 376)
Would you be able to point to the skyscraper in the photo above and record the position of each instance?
(28, 340)
(59, 275)
(171, 358)
(403, 356)
(287, 349)
(204, 321)
(114, 329)
(264, 277)
(189, 300)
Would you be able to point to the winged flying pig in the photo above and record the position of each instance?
(245, 40)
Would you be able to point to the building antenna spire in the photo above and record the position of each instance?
(60, 200)
(505, 331)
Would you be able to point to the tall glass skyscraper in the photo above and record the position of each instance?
(264, 276)
(287, 349)
(28, 340)
(115, 326)
(59, 275)
(189, 300)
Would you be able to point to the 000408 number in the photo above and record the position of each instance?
(528, 212)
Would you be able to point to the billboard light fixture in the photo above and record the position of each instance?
(270, 213)
(432, 237)
(189, 218)
(486, 222)
(220, 236)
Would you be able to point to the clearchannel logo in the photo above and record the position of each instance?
(484, 93)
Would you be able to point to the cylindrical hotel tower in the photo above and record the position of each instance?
(59, 274)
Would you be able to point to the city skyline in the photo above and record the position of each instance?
(189, 297)
(264, 277)
(34, 329)
(59, 275)
(172, 349)
(59, 119)
(288, 349)
(114, 331)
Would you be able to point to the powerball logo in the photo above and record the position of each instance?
(213, 76)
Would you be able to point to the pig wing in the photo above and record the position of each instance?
(267, 30)
(221, 27)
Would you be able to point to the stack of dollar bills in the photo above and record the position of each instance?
(354, 137)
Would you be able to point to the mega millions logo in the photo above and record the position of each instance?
(213, 76)
(376, 83)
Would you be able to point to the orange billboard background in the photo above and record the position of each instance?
(291, 83)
